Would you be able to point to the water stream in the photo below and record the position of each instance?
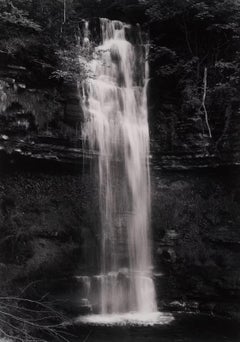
(116, 125)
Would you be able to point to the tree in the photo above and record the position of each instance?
(190, 40)
(12, 14)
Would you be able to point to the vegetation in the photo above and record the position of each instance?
(195, 51)
(23, 319)
(187, 35)
(194, 48)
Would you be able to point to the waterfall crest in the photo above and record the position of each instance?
(116, 124)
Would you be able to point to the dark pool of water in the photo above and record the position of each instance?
(184, 328)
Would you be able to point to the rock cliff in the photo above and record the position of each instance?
(48, 198)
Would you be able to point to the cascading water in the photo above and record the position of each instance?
(116, 124)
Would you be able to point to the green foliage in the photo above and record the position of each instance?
(207, 10)
(163, 10)
(126, 10)
(13, 15)
(15, 44)
(187, 37)
(199, 25)
(73, 63)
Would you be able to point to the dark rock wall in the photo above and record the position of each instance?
(48, 224)
(50, 230)
(196, 236)
(39, 118)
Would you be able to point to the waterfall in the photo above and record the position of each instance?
(116, 125)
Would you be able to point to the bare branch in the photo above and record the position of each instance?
(64, 11)
(204, 100)
(187, 36)
(19, 322)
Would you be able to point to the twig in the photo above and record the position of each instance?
(203, 102)
(56, 330)
(64, 11)
(22, 308)
(20, 331)
(88, 335)
(29, 285)
(187, 37)
(228, 114)
(14, 338)
(32, 302)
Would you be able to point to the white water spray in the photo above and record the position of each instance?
(116, 124)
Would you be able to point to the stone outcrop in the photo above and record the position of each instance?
(38, 122)
(196, 237)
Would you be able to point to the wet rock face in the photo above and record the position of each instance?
(26, 107)
(47, 228)
(38, 120)
(196, 236)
